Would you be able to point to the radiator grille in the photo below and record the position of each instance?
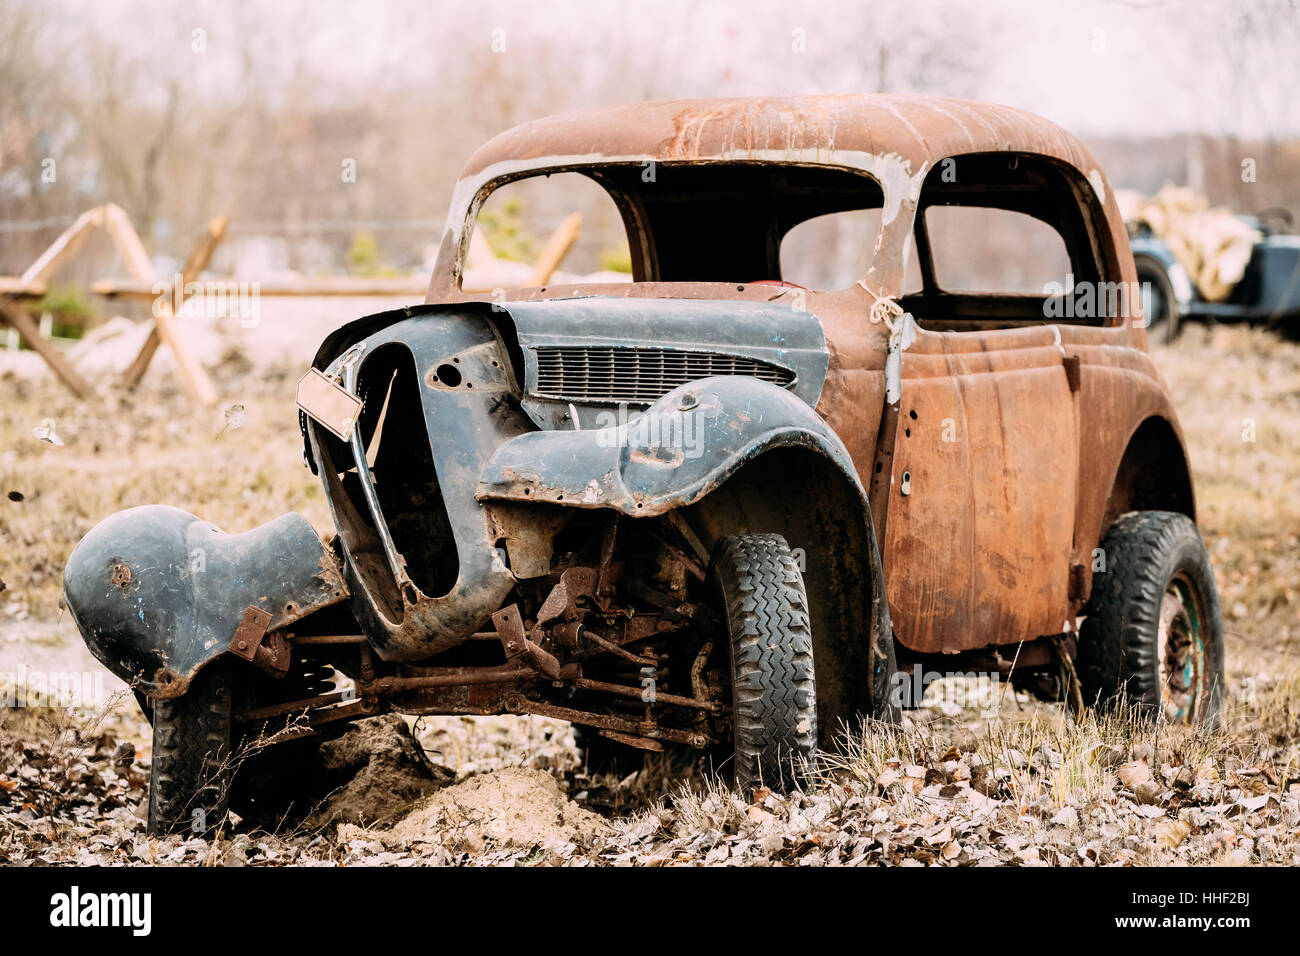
(637, 375)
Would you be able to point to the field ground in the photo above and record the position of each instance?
(1027, 785)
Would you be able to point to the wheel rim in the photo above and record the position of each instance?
(1181, 651)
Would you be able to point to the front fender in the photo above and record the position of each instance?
(674, 454)
(751, 457)
(157, 593)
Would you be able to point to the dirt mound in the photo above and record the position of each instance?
(385, 769)
(508, 808)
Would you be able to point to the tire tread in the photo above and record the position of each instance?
(773, 681)
(191, 750)
(1118, 643)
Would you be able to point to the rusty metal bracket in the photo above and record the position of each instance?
(606, 576)
(248, 635)
(510, 628)
(511, 631)
(562, 602)
(250, 641)
(641, 743)
(518, 704)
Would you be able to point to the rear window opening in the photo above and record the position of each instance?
(835, 250)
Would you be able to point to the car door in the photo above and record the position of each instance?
(985, 466)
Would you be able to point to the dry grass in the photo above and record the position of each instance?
(1049, 755)
(125, 450)
(1232, 384)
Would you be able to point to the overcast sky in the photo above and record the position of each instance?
(1095, 66)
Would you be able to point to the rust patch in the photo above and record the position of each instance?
(168, 684)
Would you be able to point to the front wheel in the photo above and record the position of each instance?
(774, 699)
(1153, 635)
(190, 773)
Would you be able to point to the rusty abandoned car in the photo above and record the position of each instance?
(815, 491)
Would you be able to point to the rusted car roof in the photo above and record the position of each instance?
(895, 139)
(918, 129)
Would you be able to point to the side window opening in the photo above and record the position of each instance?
(980, 249)
(1008, 240)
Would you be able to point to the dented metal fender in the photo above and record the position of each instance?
(674, 454)
(739, 433)
(157, 593)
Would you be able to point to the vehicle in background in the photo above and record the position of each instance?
(1268, 292)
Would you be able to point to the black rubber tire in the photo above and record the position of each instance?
(190, 773)
(1160, 328)
(1146, 552)
(774, 696)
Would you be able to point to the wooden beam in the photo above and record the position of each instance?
(195, 378)
(361, 286)
(129, 246)
(63, 247)
(17, 286)
(202, 254)
(556, 248)
(16, 316)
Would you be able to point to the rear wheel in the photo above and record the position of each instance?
(774, 700)
(1153, 636)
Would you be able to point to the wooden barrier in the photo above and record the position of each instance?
(17, 291)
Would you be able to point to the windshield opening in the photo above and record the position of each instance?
(683, 222)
